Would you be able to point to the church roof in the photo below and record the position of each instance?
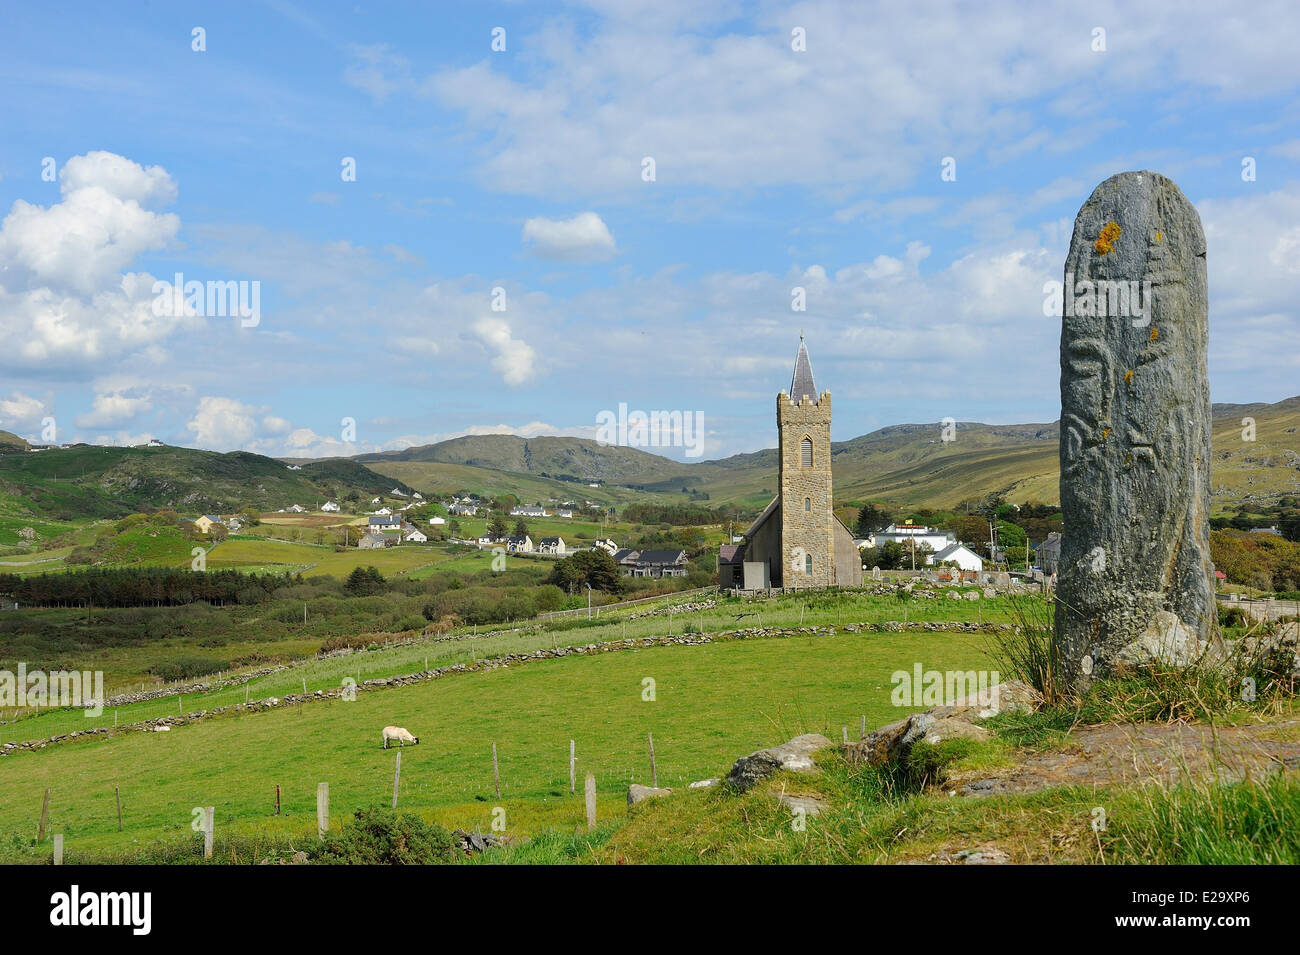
(802, 382)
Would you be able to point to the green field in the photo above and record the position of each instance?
(701, 721)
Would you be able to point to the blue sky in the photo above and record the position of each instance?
(522, 169)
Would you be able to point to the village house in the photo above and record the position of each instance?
(564, 512)
(384, 522)
(551, 545)
(959, 554)
(528, 511)
(660, 563)
(370, 541)
(413, 535)
(519, 545)
(462, 510)
(329, 506)
(437, 520)
(911, 534)
(488, 540)
(205, 523)
(1048, 554)
(607, 545)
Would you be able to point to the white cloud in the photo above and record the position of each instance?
(514, 357)
(116, 408)
(19, 410)
(584, 238)
(64, 295)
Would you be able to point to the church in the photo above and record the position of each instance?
(797, 542)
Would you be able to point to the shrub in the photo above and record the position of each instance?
(379, 836)
(188, 668)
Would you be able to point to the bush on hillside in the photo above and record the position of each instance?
(379, 836)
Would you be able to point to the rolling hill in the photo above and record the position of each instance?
(92, 481)
(904, 465)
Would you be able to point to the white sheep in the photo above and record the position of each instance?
(400, 734)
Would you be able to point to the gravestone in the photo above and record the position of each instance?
(1135, 571)
(875, 573)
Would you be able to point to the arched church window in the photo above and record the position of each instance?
(807, 504)
(807, 564)
(806, 449)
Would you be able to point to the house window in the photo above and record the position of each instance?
(807, 504)
(807, 564)
(806, 452)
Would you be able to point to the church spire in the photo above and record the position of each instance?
(802, 382)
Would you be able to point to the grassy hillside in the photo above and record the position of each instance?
(87, 481)
(903, 465)
(774, 688)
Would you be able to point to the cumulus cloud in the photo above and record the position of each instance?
(64, 294)
(21, 411)
(115, 409)
(584, 238)
(514, 357)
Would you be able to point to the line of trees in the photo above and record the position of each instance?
(140, 587)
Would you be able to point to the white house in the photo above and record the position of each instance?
(918, 533)
(413, 535)
(296, 509)
(959, 554)
(437, 520)
(329, 506)
(377, 525)
(564, 512)
(551, 545)
(522, 545)
(396, 493)
(418, 496)
(383, 510)
(528, 511)
(607, 545)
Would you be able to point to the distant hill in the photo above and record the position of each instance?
(907, 465)
(11, 442)
(95, 481)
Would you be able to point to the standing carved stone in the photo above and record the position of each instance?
(1135, 571)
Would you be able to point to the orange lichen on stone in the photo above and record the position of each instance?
(1128, 377)
(1105, 434)
(1106, 241)
(1155, 333)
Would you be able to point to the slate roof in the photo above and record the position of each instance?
(661, 557)
(802, 382)
(731, 554)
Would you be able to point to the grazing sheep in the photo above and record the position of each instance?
(401, 735)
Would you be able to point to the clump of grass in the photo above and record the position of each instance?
(1028, 651)
(923, 765)
(1207, 824)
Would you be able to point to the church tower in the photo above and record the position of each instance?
(803, 423)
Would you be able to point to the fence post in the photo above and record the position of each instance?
(590, 794)
(397, 775)
(654, 773)
(58, 848)
(572, 762)
(322, 810)
(118, 793)
(45, 808)
(496, 771)
(209, 822)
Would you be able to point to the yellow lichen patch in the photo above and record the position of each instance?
(1128, 460)
(1159, 236)
(1105, 433)
(1106, 241)
(1155, 333)
(1128, 377)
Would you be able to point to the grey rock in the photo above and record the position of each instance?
(809, 805)
(794, 756)
(703, 784)
(1135, 430)
(637, 793)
